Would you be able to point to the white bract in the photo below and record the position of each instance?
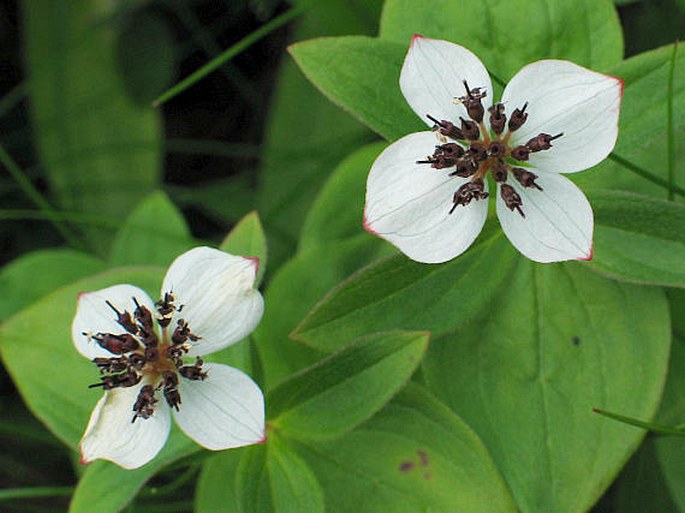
(208, 302)
(426, 193)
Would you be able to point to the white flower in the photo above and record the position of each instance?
(207, 303)
(426, 193)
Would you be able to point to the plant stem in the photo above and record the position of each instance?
(234, 50)
(74, 217)
(11, 99)
(647, 175)
(653, 428)
(203, 38)
(161, 491)
(34, 195)
(212, 147)
(670, 142)
(39, 491)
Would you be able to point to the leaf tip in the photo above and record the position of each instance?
(425, 336)
(296, 334)
(292, 49)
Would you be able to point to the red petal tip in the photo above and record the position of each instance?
(621, 86)
(589, 257)
(415, 37)
(620, 81)
(82, 460)
(367, 226)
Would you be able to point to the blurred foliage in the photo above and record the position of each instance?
(652, 23)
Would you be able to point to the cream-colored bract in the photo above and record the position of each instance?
(408, 204)
(223, 411)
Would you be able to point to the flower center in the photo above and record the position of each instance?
(477, 151)
(140, 355)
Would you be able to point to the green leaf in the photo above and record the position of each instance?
(215, 485)
(677, 299)
(306, 135)
(651, 23)
(247, 239)
(226, 200)
(102, 152)
(641, 486)
(307, 138)
(338, 210)
(337, 17)
(670, 451)
(154, 234)
(107, 488)
(295, 289)
(340, 392)
(414, 456)
(397, 293)
(37, 349)
(643, 125)
(252, 487)
(638, 238)
(558, 341)
(56, 267)
(273, 479)
(361, 74)
(508, 35)
(293, 484)
(145, 55)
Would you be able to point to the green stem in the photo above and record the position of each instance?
(212, 147)
(654, 428)
(11, 99)
(234, 50)
(203, 38)
(670, 142)
(647, 175)
(29, 434)
(166, 507)
(177, 483)
(34, 195)
(39, 491)
(74, 217)
(86, 219)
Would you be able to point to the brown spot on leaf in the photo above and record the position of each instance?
(406, 466)
(423, 456)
